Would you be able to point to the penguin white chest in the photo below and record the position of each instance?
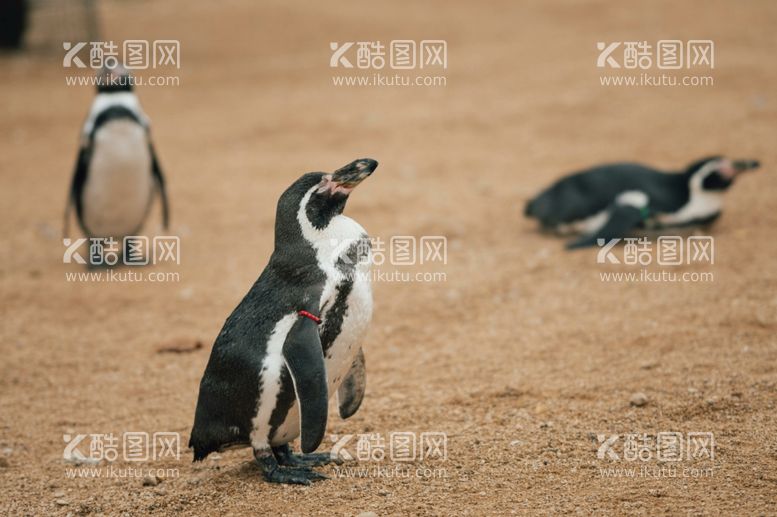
(119, 183)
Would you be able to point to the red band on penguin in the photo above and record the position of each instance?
(310, 316)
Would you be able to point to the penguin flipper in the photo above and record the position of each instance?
(628, 211)
(76, 187)
(351, 391)
(305, 360)
(156, 170)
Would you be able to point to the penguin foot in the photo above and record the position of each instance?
(293, 476)
(286, 457)
(315, 459)
(275, 473)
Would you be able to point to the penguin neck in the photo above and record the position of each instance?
(104, 101)
(339, 231)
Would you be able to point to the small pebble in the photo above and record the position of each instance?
(367, 514)
(150, 481)
(638, 399)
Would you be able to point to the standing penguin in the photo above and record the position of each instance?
(117, 171)
(295, 337)
(609, 201)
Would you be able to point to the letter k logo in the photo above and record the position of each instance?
(338, 57)
(604, 54)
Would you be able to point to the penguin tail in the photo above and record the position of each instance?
(204, 442)
(529, 209)
(201, 449)
(199, 455)
(200, 452)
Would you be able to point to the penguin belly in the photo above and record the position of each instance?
(119, 183)
(342, 352)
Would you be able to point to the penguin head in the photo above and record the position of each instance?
(717, 173)
(319, 197)
(113, 80)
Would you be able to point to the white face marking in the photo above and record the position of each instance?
(701, 203)
(119, 185)
(270, 378)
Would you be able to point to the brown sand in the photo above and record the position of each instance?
(522, 356)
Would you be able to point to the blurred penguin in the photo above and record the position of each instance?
(610, 201)
(117, 172)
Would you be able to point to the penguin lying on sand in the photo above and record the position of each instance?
(116, 172)
(610, 201)
(296, 336)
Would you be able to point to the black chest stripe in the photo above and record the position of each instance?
(335, 316)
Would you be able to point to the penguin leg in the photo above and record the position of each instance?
(275, 473)
(285, 456)
(351, 392)
(629, 210)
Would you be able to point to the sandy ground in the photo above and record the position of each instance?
(522, 356)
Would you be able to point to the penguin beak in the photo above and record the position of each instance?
(745, 165)
(731, 168)
(345, 179)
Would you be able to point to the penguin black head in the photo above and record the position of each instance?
(114, 80)
(717, 173)
(319, 197)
